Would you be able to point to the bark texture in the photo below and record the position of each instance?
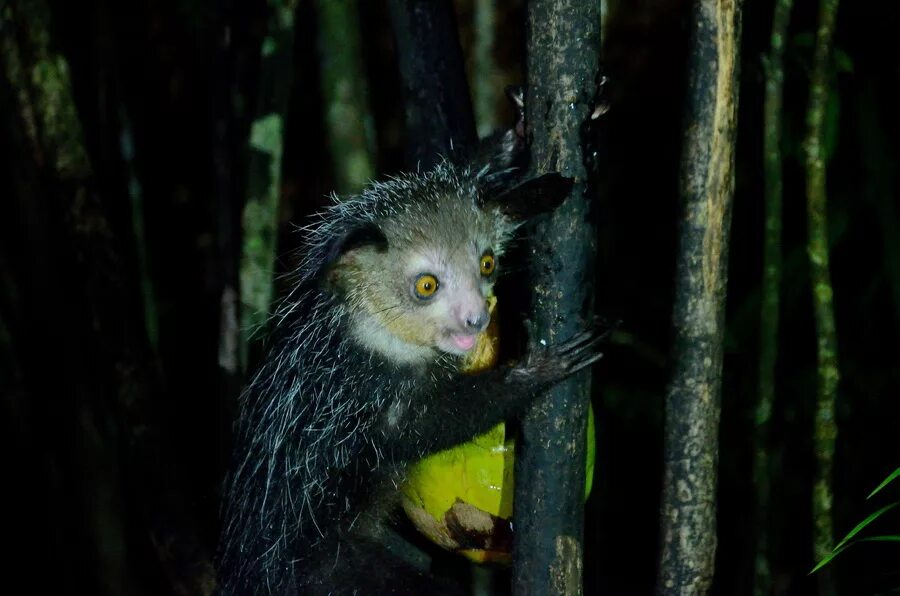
(693, 399)
(563, 60)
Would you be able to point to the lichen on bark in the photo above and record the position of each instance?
(266, 143)
(693, 398)
(825, 433)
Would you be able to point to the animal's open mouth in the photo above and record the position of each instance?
(463, 341)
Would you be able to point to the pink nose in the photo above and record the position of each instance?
(475, 320)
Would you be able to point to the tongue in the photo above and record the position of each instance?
(464, 342)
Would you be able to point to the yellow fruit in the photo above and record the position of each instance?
(461, 498)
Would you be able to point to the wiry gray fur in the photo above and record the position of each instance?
(321, 419)
(407, 200)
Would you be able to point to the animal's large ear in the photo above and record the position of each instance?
(367, 234)
(502, 153)
(531, 197)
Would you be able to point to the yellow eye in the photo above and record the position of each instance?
(487, 265)
(426, 285)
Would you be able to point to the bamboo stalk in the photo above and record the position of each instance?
(223, 116)
(347, 115)
(563, 45)
(439, 118)
(771, 285)
(688, 529)
(825, 432)
(260, 215)
(485, 87)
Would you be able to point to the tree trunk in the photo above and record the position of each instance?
(688, 529)
(563, 60)
(439, 117)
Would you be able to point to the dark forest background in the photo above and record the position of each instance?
(116, 404)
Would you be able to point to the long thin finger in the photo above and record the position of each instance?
(588, 343)
(574, 368)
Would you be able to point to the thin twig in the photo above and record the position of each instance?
(771, 284)
(828, 375)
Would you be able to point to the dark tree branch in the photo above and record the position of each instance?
(223, 97)
(436, 95)
(563, 62)
(693, 399)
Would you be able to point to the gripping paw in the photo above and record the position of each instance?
(555, 363)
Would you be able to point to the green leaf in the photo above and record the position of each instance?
(839, 550)
(861, 525)
(885, 538)
(891, 477)
(828, 558)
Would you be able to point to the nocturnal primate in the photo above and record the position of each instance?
(362, 376)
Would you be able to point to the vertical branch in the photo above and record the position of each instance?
(347, 116)
(485, 91)
(260, 217)
(771, 284)
(825, 427)
(693, 399)
(223, 98)
(436, 95)
(563, 59)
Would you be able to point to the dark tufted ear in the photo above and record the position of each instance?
(501, 156)
(531, 197)
(367, 234)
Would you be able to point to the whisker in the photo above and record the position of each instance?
(378, 312)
